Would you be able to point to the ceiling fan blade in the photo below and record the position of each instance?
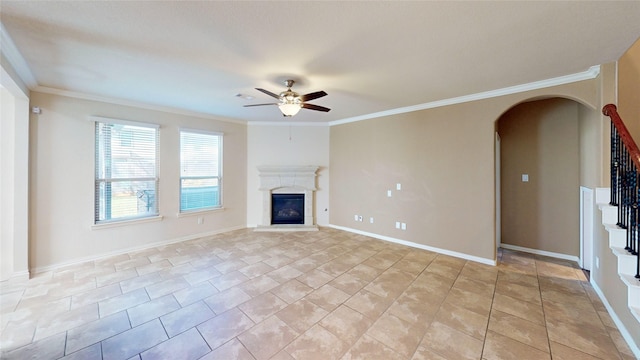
(269, 93)
(315, 107)
(313, 95)
(260, 104)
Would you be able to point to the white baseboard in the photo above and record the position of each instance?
(460, 255)
(54, 267)
(541, 252)
(623, 330)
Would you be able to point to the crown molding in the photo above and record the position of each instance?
(589, 74)
(137, 104)
(15, 58)
(288, 123)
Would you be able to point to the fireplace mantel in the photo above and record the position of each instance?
(288, 180)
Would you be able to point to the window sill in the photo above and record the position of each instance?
(113, 224)
(199, 212)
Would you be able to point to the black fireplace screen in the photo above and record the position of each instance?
(287, 209)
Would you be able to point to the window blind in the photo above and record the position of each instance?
(126, 183)
(200, 170)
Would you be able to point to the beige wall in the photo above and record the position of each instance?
(541, 139)
(62, 173)
(287, 145)
(629, 89)
(444, 159)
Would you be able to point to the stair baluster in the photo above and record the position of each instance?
(625, 182)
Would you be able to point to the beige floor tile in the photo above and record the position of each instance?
(467, 321)
(327, 297)
(317, 343)
(451, 343)
(302, 315)
(267, 338)
(369, 304)
(526, 332)
(498, 347)
(470, 301)
(371, 349)
(593, 340)
(326, 294)
(522, 309)
(233, 349)
(224, 327)
(562, 352)
(518, 291)
(346, 323)
(226, 300)
(262, 307)
(397, 334)
(292, 291)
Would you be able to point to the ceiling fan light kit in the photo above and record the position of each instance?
(291, 102)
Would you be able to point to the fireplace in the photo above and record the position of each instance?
(288, 198)
(287, 209)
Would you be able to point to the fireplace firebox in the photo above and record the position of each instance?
(287, 209)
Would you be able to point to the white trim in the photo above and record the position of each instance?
(623, 330)
(541, 252)
(107, 120)
(589, 74)
(117, 223)
(137, 104)
(460, 255)
(54, 267)
(288, 123)
(15, 58)
(204, 211)
(200, 131)
(586, 238)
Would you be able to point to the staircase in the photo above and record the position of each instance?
(627, 262)
(620, 207)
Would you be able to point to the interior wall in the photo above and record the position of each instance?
(540, 139)
(629, 88)
(444, 160)
(287, 145)
(62, 178)
(14, 175)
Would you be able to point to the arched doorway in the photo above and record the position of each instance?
(543, 164)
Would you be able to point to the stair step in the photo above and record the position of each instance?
(617, 236)
(633, 286)
(609, 213)
(626, 261)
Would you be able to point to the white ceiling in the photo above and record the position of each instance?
(368, 56)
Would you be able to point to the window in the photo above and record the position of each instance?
(126, 170)
(200, 170)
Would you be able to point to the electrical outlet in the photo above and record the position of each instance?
(398, 186)
(200, 220)
(388, 193)
(397, 224)
(370, 220)
(355, 217)
(403, 226)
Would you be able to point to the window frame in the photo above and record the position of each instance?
(219, 177)
(98, 181)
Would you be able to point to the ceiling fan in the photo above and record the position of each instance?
(291, 102)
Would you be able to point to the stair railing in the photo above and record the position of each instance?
(625, 181)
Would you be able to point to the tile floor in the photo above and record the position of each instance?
(306, 295)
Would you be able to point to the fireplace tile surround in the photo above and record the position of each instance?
(290, 179)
